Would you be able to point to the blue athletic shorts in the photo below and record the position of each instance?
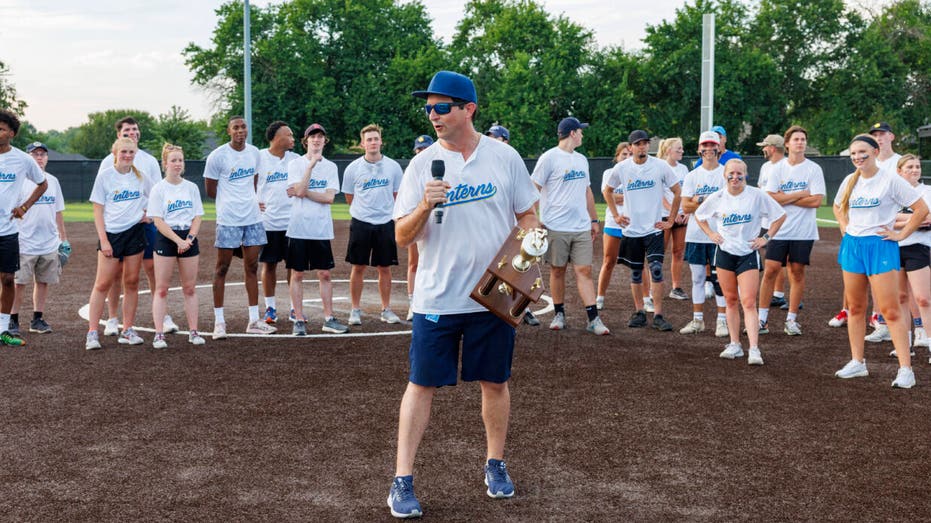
(614, 232)
(868, 255)
(487, 348)
(700, 253)
(233, 236)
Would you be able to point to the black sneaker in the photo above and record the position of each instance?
(660, 323)
(785, 306)
(638, 320)
(530, 319)
(13, 328)
(778, 302)
(39, 325)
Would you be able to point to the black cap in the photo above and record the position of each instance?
(36, 145)
(638, 136)
(880, 126)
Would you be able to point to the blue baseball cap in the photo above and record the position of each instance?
(453, 85)
(720, 130)
(422, 142)
(567, 125)
(498, 131)
(36, 145)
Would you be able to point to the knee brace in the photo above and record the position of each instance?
(714, 282)
(636, 276)
(656, 271)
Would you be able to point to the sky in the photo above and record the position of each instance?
(71, 58)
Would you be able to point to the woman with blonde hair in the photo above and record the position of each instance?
(611, 239)
(671, 150)
(866, 206)
(915, 255)
(119, 198)
(176, 208)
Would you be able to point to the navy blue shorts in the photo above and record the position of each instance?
(487, 348)
(700, 253)
(150, 238)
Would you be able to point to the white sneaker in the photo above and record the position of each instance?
(853, 369)
(260, 327)
(169, 326)
(904, 379)
(648, 305)
(892, 353)
(219, 331)
(93, 341)
(112, 328)
(597, 327)
(879, 335)
(921, 337)
(793, 328)
(693, 327)
(754, 357)
(355, 317)
(559, 322)
(410, 314)
(709, 291)
(129, 337)
(599, 302)
(159, 342)
(732, 351)
(388, 316)
(194, 338)
(720, 328)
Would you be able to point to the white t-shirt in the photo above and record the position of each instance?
(564, 182)
(765, 171)
(609, 218)
(917, 237)
(235, 172)
(123, 197)
(38, 230)
(146, 164)
(890, 163)
(372, 186)
(312, 220)
(644, 186)
(273, 189)
(15, 168)
(701, 182)
(176, 204)
(801, 222)
(875, 201)
(681, 170)
(488, 190)
(738, 218)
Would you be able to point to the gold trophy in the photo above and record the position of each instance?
(513, 280)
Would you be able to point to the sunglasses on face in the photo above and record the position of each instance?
(443, 107)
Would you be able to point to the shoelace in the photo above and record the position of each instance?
(499, 472)
(403, 491)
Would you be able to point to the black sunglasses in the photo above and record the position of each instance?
(443, 107)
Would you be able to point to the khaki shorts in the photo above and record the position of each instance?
(44, 268)
(569, 246)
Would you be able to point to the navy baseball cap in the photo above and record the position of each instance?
(569, 124)
(422, 142)
(881, 126)
(497, 131)
(453, 85)
(638, 136)
(720, 130)
(36, 145)
(314, 128)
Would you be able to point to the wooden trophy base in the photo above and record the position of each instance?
(506, 291)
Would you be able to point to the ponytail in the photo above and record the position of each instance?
(845, 200)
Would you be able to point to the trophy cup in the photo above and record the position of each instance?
(513, 279)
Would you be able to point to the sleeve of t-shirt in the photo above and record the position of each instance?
(59, 198)
(540, 170)
(817, 181)
(213, 168)
(106, 162)
(775, 177)
(332, 178)
(903, 193)
(614, 177)
(771, 208)
(198, 203)
(839, 197)
(398, 174)
(156, 202)
(349, 178)
(669, 176)
(295, 172)
(525, 193)
(34, 172)
(709, 207)
(98, 193)
(410, 193)
(688, 186)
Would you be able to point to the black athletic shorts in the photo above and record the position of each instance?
(793, 251)
(737, 264)
(633, 251)
(150, 236)
(127, 243)
(372, 245)
(9, 253)
(166, 247)
(276, 249)
(914, 257)
(309, 255)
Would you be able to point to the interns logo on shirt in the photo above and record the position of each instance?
(236, 174)
(177, 205)
(45, 200)
(791, 186)
(736, 219)
(7, 177)
(316, 184)
(570, 175)
(375, 183)
(465, 193)
(126, 195)
(862, 202)
(276, 177)
(636, 185)
(706, 189)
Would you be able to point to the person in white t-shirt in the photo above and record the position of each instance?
(120, 198)
(15, 168)
(313, 182)
(611, 239)
(128, 127)
(671, 150)
(774, 151)
(888, 159)
(797, 184)
(486, 191)
(370, 184)
(866, 206)
(230, 177)
(738, 212)
(177, 210)
(41, 235)
(644, 180)
(567, 210)
(915, 255)
(275, 205)
(700, 183)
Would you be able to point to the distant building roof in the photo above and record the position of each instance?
(55, 156)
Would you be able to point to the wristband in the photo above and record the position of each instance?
(594, 221)
(765, 236)
(190, 236)
(23, 208)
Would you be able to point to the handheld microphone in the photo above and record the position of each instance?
(438, 170)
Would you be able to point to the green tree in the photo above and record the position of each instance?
(95, 137)
(178, 128)
(8, 97)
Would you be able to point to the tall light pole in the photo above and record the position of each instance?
(707, 72)
(247, 69)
